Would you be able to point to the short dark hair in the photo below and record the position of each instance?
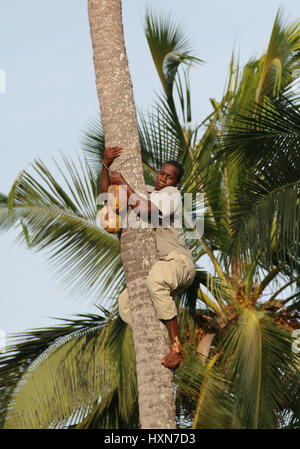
(179, 167)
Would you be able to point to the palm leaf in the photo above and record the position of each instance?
(249, 349)
(63, 221)
(265, 212)
(93, 145)
(56, 390)
(169, 45)
(281, 58)
(194, 379)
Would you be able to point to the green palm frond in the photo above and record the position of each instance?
(280, 363)
(160, 141)
(243, 346)
(109, 417)
(203, 389)
(93, 145)
(272, 135)
(258, 81)
(271, 224)
(255, 349)
(63, 221)
(281, 58)
(30, 347)
(265, 213)
(272, 73)
(169, 45)
(70, 372)
(121, 411)
(171, 49)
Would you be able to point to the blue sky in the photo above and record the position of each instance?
(46, 55)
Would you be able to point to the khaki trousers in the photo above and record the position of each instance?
(167, 277)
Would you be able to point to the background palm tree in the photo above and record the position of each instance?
(240, 370)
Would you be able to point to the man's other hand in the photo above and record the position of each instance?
(110, 153)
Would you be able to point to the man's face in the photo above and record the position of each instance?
(167, 176)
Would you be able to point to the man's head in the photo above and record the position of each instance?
(170, 174)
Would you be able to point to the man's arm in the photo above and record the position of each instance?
(110, 154)
(145, 206)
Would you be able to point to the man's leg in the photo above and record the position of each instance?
(164, 277)
(175, 356)
(124, 311)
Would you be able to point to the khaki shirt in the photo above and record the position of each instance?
(169, 234)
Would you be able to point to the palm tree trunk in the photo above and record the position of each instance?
(118, 115)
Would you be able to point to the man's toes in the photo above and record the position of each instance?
(165, 361)
(170, 361)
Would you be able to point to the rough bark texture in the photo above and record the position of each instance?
(118, 115)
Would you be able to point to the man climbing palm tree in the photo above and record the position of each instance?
(174, 271)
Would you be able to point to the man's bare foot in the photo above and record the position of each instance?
(172, 360)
